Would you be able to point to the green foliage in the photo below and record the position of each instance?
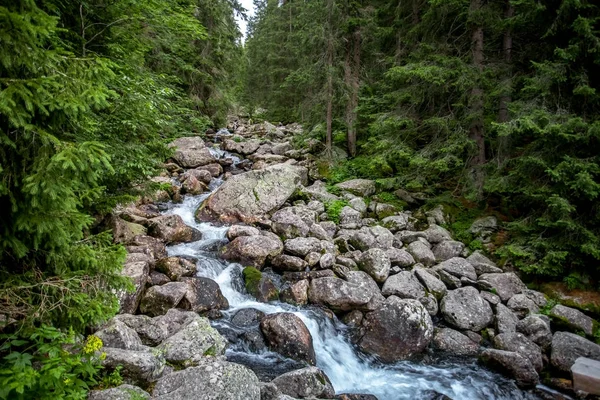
(45, 363)
(112, 379)
(252, 278)
(334, 209)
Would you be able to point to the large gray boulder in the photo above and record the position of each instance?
(506, 320)
(400, 257)
(517, 342)
(482, 264)
(448, 249)
(376, 263)
(454, 342)
(436, 234)
(369, 237)
(358, 187)
(505, 285)
(431, 283)
(250, 196)
(288, 224)
(140, 367)
(241, 230)
(284, 262)
(286, 334)
(138, 272)
(252, 250)
(123, 392)
(511, 364)
(172, 229)
(118, 335)
(305, 383)
(568, 347)
(397, 330)
(244, 147)
(211, 380)
(159, 299)
(190, 152)
(150, 330)
(465, 309)
(176, 267)
(573, 319)
(203, 294)
(339, 294)
(404, 285)
(421, 253)
(302, 246)
(194, 341)
(537, 329)
(458, 267)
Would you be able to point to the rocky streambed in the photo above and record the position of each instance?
(247, 289)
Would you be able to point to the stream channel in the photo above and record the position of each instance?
(349, 370)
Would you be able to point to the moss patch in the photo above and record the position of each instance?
(252, 277)
(334, 209)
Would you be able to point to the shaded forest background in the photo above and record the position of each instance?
(487, 107)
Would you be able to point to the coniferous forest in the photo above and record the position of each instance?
(483, 107)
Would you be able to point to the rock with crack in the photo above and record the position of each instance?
(252, 250)
(465, 309)
(250, 196)
(191, 152)
(305, 383)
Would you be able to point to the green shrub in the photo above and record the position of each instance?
(334, 209)
(46, 363)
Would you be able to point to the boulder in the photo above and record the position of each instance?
(465, 309)
(194, 341)
(203, 294)
(286, 334)
(505, 285)
(536, 329)
(340, 295)
(482, 264)
(358, 204)
(522, 305)
(123, 231)
(176, 267)
(243, 147)
(302, 246)
(512, 364)
(252, 250)
(397, 330)
(191, 185)
(215, 169)
(431, 283)
(349, 216)
(458, 267)
(289, 225)
(171, 229)
(404, 285)
(517, 342)
(249, 196)
(448, 249)
(396, 223)
(236, 231)
(376, 263)
(259, 285)
(436, 234)
(484, 227)
(368, 237)
(309, 382)
(247, 317)
(150, 330)
(138, 272)
(202, 175)
(358, 187)
(152, 247)
(454, 342)
(140, 367)
(506, 320)
(212, 379)
(573, 319)
(568, 347)
(123, 392)
(159, 299)
(400, 257)
(319, 232)
(586, 376)
(117, 334)
(421, 253)
(296, 293)
(191, 152)
(284, 262)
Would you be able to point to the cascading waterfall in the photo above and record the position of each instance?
(349, 370)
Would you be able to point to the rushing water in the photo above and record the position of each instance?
(349, 370)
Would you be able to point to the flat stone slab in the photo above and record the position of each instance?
(586, 375)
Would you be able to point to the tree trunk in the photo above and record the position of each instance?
(353, 81)
(329, 80)
(506, 98)
(477, 127)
